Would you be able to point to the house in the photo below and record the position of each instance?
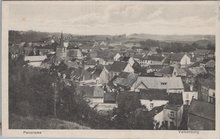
(171, 84)
(209, 63)
(179, 59)
(207, 93)
(201, 116)
(169, 116)
(94, 95)
(152, 60)
(138, 49)
(76, 74)
(117, 56)
(98, 74)
(35, 61)
(124, 81)
(46, 50)
(105, 76)
(92, 75)
(173, 111)
(188, 96)
(197, 71)
(151, 98)
(170, 71)
(75, 53)
(128, 59)
(138, 57)
(119, 66)
(153, 68)
(90, 63)
(200, 54)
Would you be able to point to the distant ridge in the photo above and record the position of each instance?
(187, 38)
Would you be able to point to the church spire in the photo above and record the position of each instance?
(61, 40)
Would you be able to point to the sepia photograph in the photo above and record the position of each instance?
(114, 66)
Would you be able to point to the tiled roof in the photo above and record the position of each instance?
(92, 91)
(77, 73)
(202, 109)
(35, 58)
(118, 66)
(154, 58)
(197, 70)
(175, 98)
(153, 94)
(165, 70)
(156, 110)
(208, 83)
(155, 66)
(160, 82)
(176, 57)
(125, 79)
(109, 97)
(172, 107)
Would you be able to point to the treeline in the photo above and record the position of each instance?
(177, 46)
(28, 36)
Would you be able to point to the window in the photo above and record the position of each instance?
(151, 105)
(163, 83)
(172, 115)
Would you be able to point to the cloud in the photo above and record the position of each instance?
(117, 18)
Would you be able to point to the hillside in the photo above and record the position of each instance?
(20, 122)
(179, 38)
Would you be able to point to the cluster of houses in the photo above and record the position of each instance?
(178, 88)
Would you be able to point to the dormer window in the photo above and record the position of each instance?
(163, 83)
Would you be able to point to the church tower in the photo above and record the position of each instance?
(61, 50)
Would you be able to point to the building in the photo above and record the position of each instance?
(207, 93)
(171, 84)
(188, 96)
(117, 56)
(118, 66)
(201, 116)
(171, 71)
(152, 60)
(65, 51)
(153, 68)
(153, 98)
(123, 81)
(170, 116)
(180, 59)
(173, 111)
(35, 61)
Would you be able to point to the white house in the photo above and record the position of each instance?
(172, 115)
(180, 59)
(117, 57)
(35, 61)
(188, 96)
(171, 84)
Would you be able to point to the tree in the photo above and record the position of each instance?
(42, 94)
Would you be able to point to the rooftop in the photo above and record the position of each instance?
(202, 109)
(153, 94)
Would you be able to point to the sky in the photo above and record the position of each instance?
(114, 18)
